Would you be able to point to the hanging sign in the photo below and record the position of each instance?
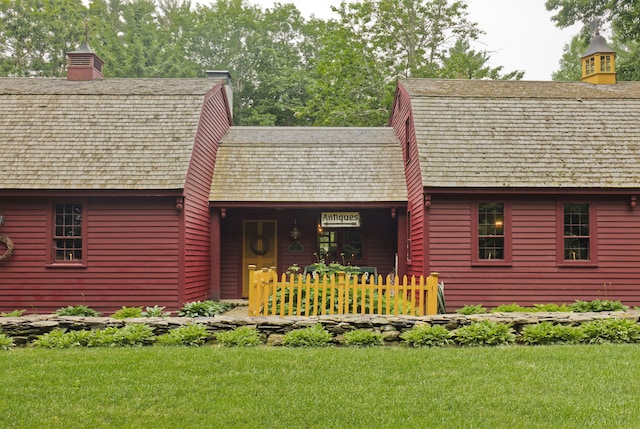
(340, 219)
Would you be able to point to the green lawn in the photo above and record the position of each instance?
(271, 387)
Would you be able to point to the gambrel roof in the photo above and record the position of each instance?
(102, 134)
(480, 133)
(309, 164)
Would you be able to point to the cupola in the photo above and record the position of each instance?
(84, 64)
(599, 62)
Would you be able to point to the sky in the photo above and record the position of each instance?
(519, 34)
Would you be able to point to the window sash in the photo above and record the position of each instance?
(68, 233)
(491, 232)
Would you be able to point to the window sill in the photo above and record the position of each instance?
(493, 263)
(577, 265)
(74, 265)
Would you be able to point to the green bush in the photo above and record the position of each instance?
(77, 310)
(155, 311)
(484, 333)
(240, 337)
(57, 339)
(597, 305)
(545, 333)
(127, 313)
(130, 335)
(472, 309)
(193, 334)
(313, 336)
(204, 308)
(551, 308)
(6, 342)
(611, 331)
(14, 313)
(427, 336)
(363, 338)
(510, 308)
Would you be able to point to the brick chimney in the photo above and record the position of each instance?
(84, 64)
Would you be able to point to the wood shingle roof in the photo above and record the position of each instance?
(526, 134)
(131, 134)
(309, 164)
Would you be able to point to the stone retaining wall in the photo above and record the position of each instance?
(26, 328)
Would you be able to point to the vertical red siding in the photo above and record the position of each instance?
(534, 276)
(131, 256)
(214, 122)
(402, 112)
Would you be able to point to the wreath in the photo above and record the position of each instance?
(259, 245)
(9, 244)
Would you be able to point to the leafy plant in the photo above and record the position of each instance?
(204, 308)
(472, 309)
(611, 331)
(484, 333)
(193, 334)
(597, 305)
(427, 336)
(127, 313)
(77, 310)
(240, 337)
(551, 308)
(363, 338)
(155, 311)
(6, 342)
(545, 333)
(135, 334)
(56, 339)
(313, 336)
(14, 313)
(509, 308)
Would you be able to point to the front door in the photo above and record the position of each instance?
(259, 248)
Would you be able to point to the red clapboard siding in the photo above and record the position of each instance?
(132, 256)
(417, 231)
(214, 122)
(534, 276)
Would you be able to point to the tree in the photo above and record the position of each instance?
(462, 62)
(570, 66)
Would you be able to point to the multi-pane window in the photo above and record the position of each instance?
(605, 63)
(576, 232)
(408, 235)
(338, 245)
(590, 66)
(67, 238)
(491, 227)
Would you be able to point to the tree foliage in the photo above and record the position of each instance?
(286, 70)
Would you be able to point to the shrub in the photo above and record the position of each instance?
(472, 309)
(313, 336)
(363, 338)
(484, 333)
(155, 311)
(6, 342)
(14, 313)
(548, 333)
(611, 331)
(427, 336)
(240, 337)
(204, 308)
(551, 308)
(597, 305)
(127, 313)
(510, 308)
(77, 310)
(193, 334)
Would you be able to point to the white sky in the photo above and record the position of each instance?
(519, 34)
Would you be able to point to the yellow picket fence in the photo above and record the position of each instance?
(273, 295)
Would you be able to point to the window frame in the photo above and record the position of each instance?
(475, 234)
(560, 237)
(52, 237)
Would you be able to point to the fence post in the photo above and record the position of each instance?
(254, 304)
(432, 293)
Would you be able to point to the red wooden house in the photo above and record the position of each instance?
(105, 188)
(524, 191)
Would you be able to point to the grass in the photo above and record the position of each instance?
(272, 387)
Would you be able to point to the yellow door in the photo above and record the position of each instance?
(259, 248)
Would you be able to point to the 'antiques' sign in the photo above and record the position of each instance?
(340, 219)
